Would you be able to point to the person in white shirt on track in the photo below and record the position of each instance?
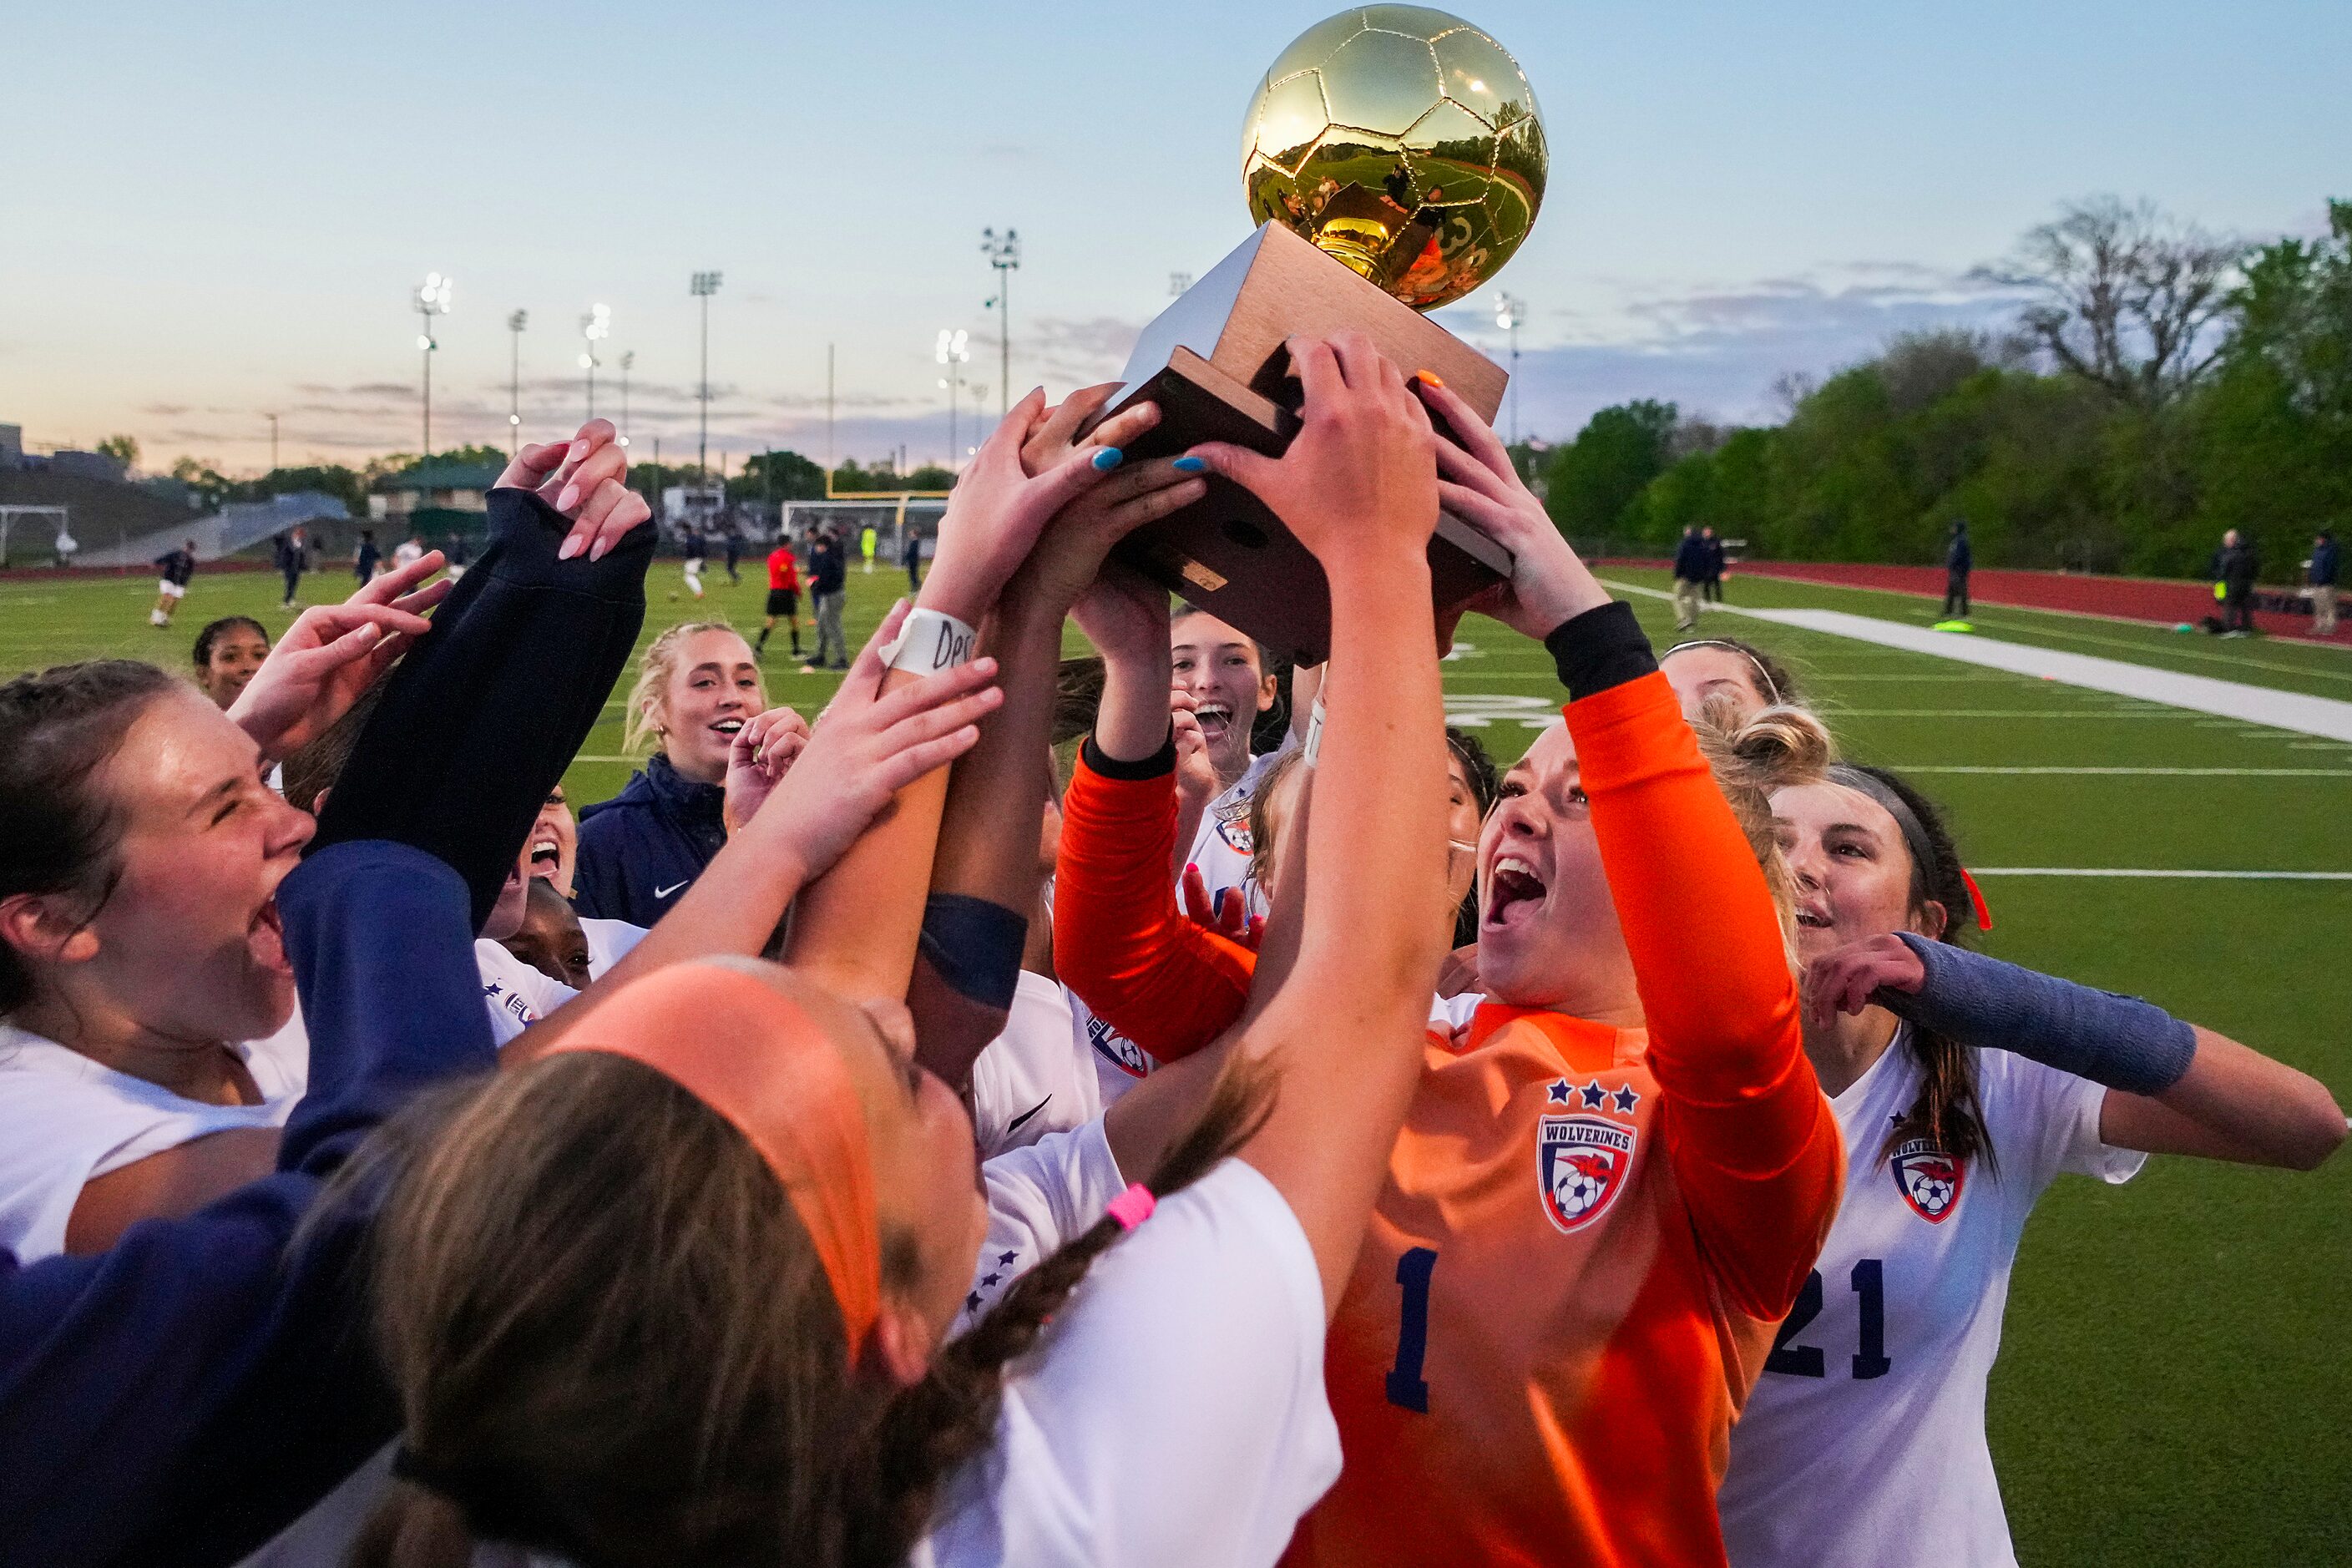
(1963, 1087)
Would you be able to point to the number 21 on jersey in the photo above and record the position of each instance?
(1869, 1282)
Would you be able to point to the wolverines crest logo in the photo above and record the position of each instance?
(1233, 828)
(1582, 1159)
(1929, 1180)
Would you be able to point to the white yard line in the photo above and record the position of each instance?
(2322, 716)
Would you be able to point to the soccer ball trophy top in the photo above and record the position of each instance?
(1404, 142)
(1395, 159)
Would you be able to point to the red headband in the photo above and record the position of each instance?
(751, 1054)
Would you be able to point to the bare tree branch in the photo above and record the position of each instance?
(2125, 296)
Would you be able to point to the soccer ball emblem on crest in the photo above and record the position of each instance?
(1581, 1167)
(1402, 140)
(1929, 1179)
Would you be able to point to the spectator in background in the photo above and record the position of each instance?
(2321, 571)
(912, 558)
(407, 552)
(1691, 565)
(286, 554)
(866, 543)
(827, 586)
(2234, 567)
(1958, 561)
(454, 553)
(734, 553)
(177, 566)
(1715, 557)
(364, 559)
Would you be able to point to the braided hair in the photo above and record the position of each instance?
(1947, 1112)
(612, 1339)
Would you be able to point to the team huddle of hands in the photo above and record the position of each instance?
(1029, 530)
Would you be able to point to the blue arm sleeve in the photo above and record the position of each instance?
(2119, 1041)
(183, 1395)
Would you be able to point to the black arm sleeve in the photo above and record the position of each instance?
(1603, 648)
(479, 720)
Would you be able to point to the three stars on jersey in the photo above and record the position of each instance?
(1584, 1155)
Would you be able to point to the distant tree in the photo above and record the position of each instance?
(2124, 297)
(203, 479)
(777, 476)
(123, 447)
(1592, 481)
(2272, 443)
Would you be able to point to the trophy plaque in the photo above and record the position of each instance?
(1395, 160)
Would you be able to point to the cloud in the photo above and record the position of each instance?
(1716, 350)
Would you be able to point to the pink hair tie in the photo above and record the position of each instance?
(1132, 1207)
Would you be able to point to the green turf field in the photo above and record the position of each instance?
(2171, 1389)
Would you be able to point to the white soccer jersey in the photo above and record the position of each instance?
(1037, 1077)
(1221, 847)
(1173, 1413)
(515, 994)
(1864, 1442)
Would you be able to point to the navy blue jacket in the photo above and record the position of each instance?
(188, 1393)
(1716, 556)
(2323, 564)
(827, 564)
(1957, 557)
(1691, 559)
(642, 849)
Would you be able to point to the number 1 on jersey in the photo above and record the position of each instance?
(1405, 1387)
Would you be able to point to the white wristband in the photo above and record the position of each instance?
(1314, 743)
(929, 642)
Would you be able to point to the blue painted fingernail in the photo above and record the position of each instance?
(1191, 464)
(1106, 459)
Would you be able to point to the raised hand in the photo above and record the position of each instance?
(866, 747)
(1360, 472)
(333, 653)
(1196, 773)
(586, 479)
(758, 756)
(1849, 979)
(1227, 915)
(998, 509)
(1479, 484)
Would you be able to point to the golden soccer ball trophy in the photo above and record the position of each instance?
(1404, 142)
(1394, 160)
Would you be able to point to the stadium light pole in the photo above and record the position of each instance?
(273, 441)
(1509, 312)
(594, 328)
(432, 300)
(704, 285)
(953, 351)
(628, 362)
(515, 320)
(1005, 254)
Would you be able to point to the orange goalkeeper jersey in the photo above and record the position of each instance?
(1589, 1233)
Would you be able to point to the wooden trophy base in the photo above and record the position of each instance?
(1215, 362)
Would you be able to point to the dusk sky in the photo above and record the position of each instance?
(210, 213)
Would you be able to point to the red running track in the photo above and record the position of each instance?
(2155, 600)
